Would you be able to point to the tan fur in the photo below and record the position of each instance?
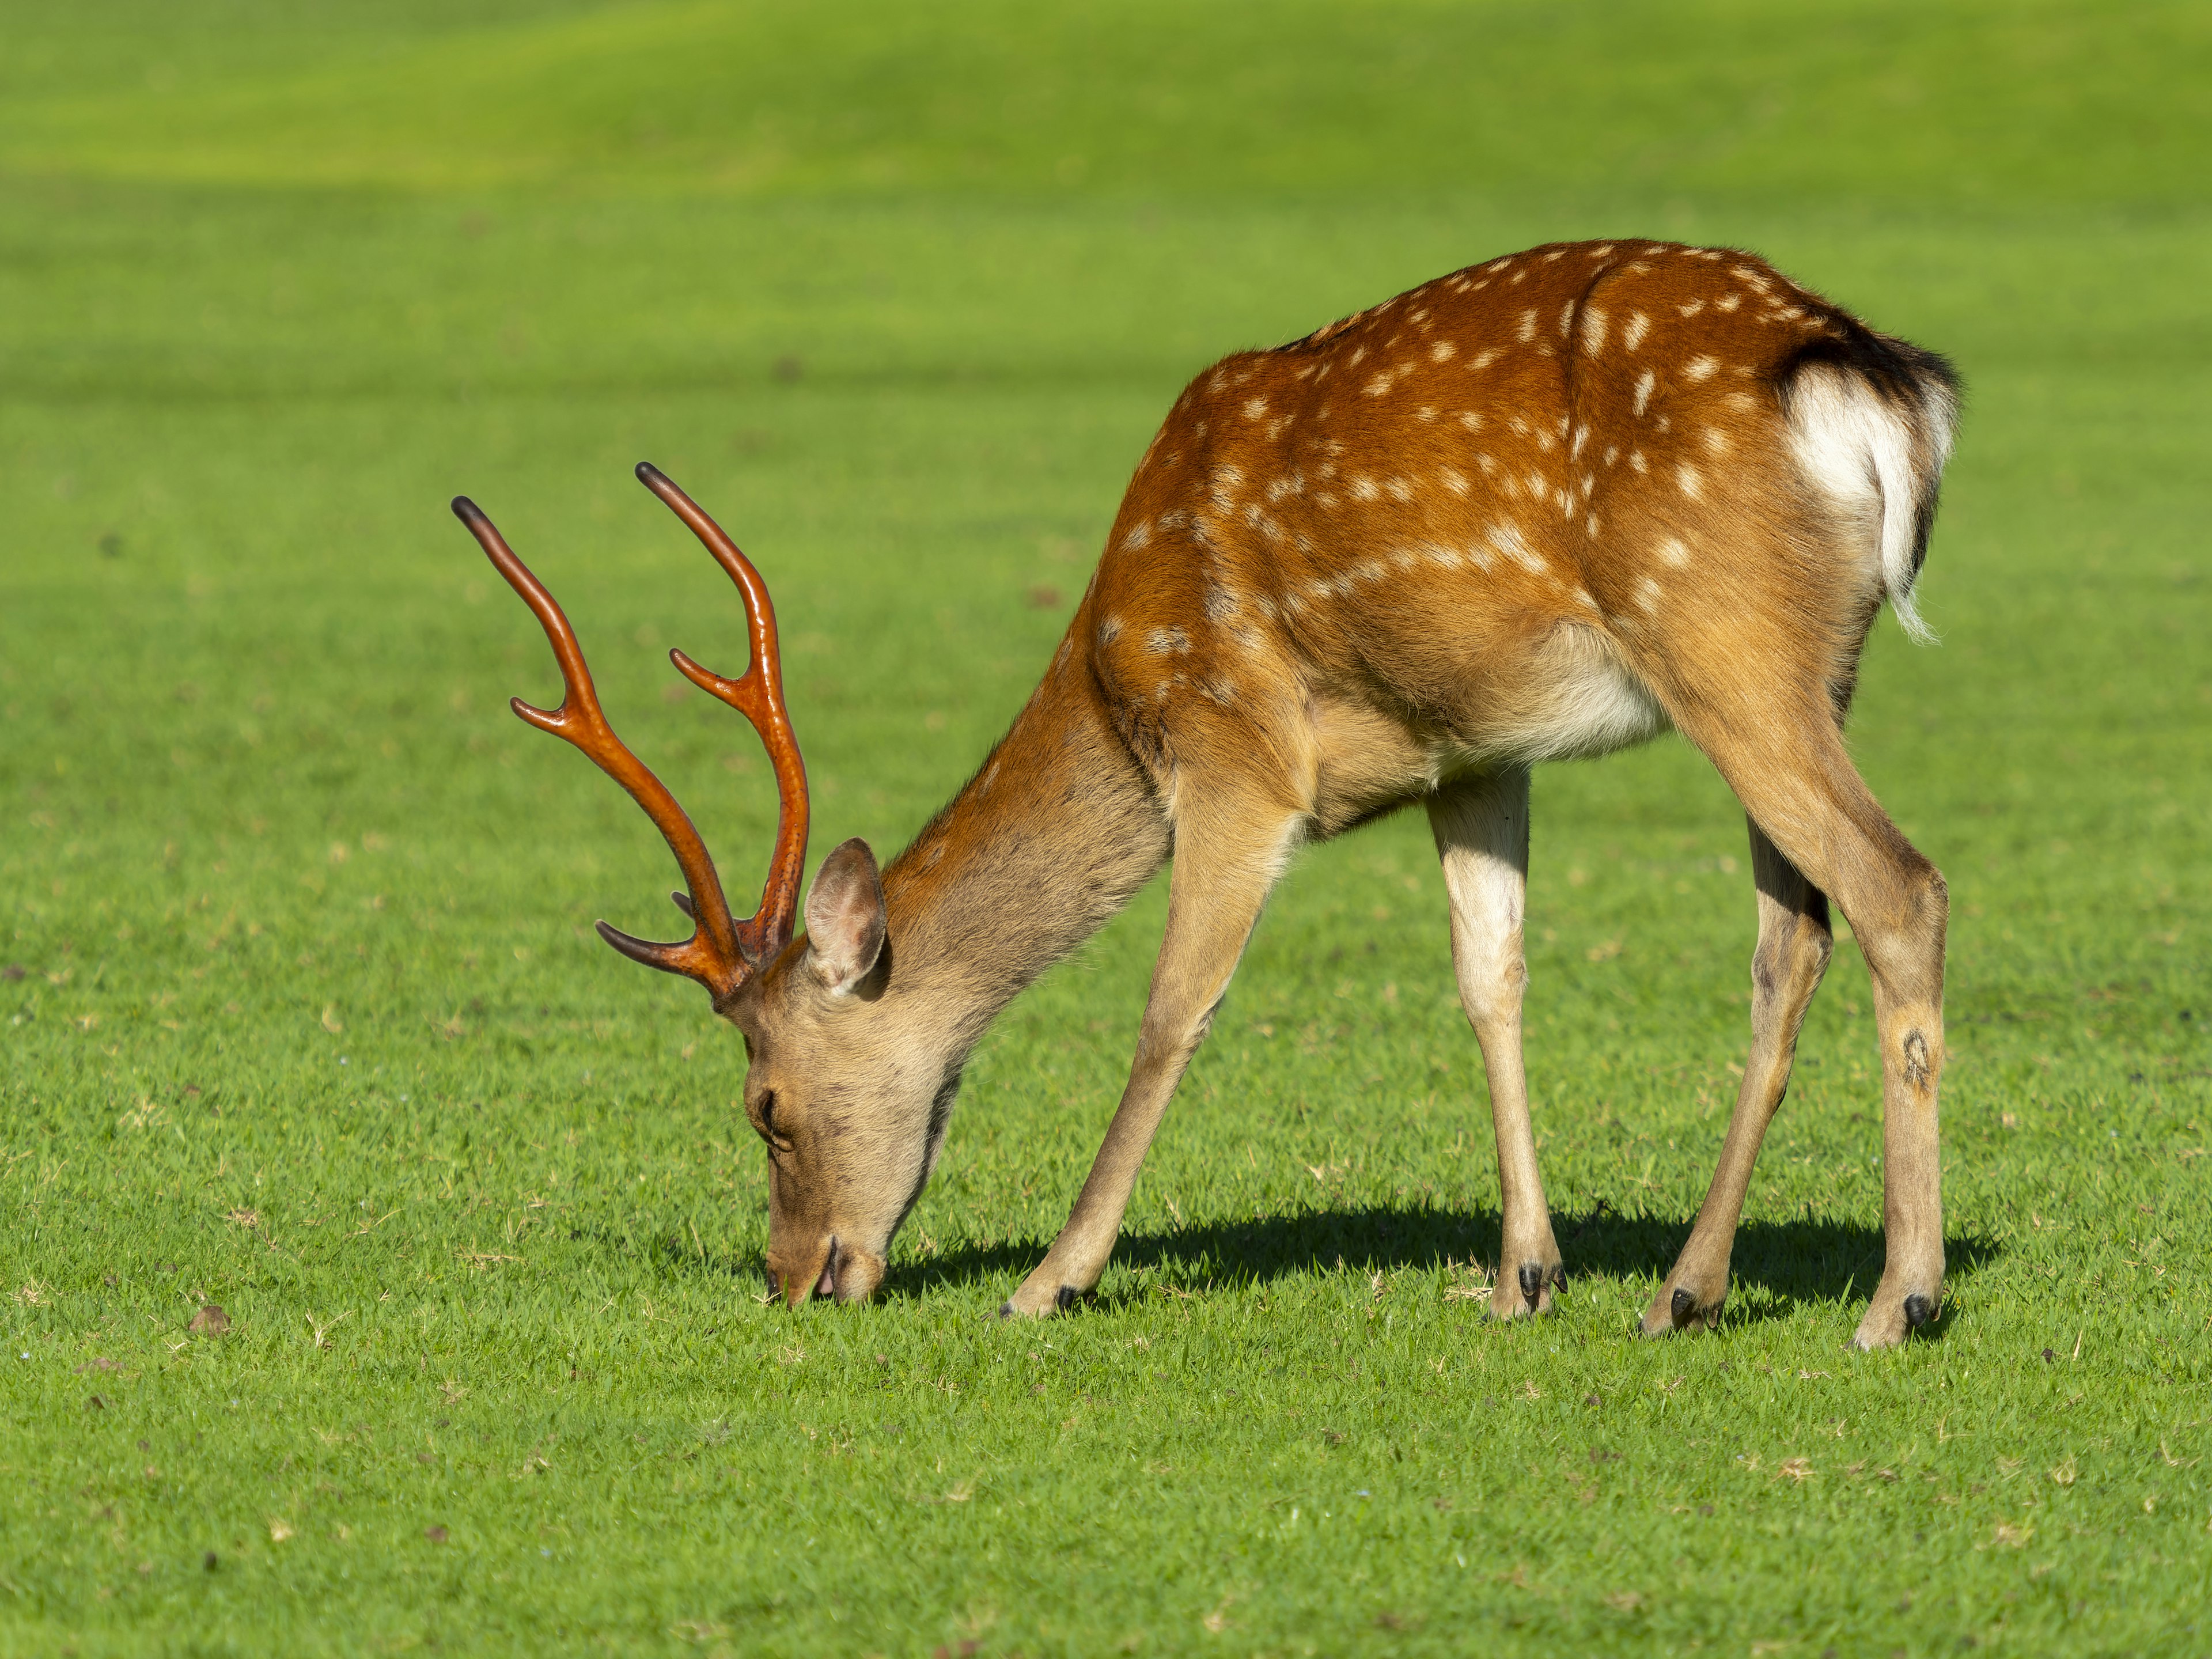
(1545, 507)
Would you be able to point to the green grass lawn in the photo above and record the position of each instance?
(304, 1018)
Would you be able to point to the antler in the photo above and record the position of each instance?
(721, 954)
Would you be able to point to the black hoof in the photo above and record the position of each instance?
(1918, 1310)
(1532, 1277)
(1683, 1306)
(1067, 1297)
(1007, 1308)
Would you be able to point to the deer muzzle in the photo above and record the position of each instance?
(829, 1268)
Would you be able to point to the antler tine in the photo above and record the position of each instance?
(758, 695)
(711, 955)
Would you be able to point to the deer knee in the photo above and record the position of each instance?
(1491, 990)
(1788, 965)
(1905, 949)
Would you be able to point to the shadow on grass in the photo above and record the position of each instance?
(1777, 1266)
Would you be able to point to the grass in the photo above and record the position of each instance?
(310, 1025)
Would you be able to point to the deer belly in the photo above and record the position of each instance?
(1568, 698)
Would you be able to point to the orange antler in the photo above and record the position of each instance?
(721, 954)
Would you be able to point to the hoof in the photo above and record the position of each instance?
(1067, 1296)
(1533, 1282)
(1918, 1310)
(1679, 1309)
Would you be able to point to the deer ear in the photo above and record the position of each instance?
(845, 920)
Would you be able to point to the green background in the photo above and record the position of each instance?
(310, 1022)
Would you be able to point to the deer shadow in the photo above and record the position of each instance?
(1776, 1267)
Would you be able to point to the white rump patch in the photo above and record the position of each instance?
(1859, 451)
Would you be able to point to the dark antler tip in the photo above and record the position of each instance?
(466, 510)
(647, 472)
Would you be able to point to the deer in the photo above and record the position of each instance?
(1547, 507)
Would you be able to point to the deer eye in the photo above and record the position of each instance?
(768, 1130)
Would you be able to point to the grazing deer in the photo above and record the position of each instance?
(1545, 507)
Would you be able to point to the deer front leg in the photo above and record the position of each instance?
(1481, 830)
(1225, 863)
(1794, 943)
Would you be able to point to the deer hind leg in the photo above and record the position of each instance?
(1225, 862)
(1794, 946)
(1481, 829)
(1799, 788)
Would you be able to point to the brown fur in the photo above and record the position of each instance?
(1542, 507)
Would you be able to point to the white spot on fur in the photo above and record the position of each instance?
(1716, 441)
(1507, 539)
(1672, 552)
(1632, 335)
(1365, 490)
(1109, 630)
(1138, 535)
(1728, 302)
(1167, 641)
(1692, 309)
(1527, 332)
(1255, 407)
(1636, 460)
(1593, 326)
(1644, 382)
(1692, 485)
(1441, 351)
(1647, 596)
(1701, 368)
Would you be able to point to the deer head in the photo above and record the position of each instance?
(840, 1178)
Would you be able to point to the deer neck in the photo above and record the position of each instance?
(1045, 844)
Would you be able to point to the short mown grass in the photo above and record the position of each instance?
(304, 1019)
